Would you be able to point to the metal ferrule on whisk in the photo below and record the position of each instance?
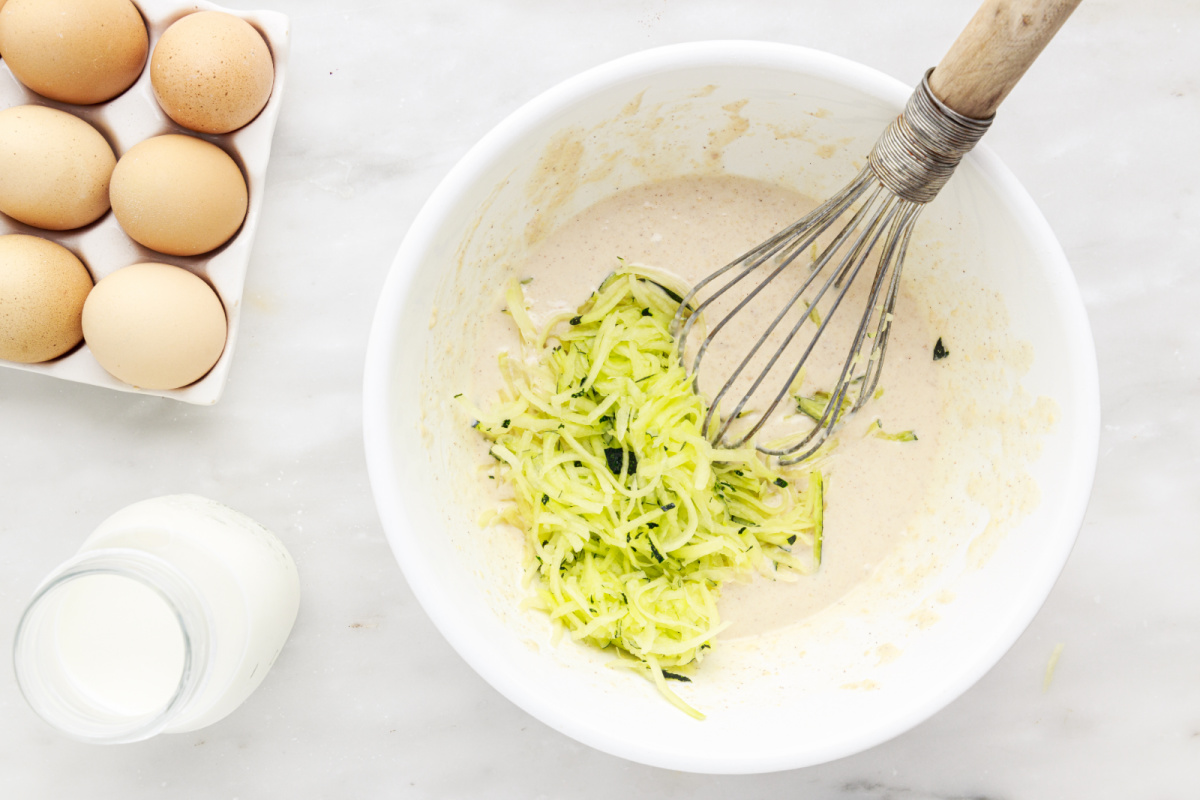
(918, 152)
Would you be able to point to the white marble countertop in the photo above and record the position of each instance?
(367, 699)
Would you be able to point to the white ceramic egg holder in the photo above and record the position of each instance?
(104, 248)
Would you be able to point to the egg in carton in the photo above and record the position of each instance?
(129, 119)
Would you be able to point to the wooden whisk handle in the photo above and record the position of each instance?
(992, 53)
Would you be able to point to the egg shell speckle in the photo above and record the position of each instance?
(42, 291)
(212, 72)
(74, 51)
(155, 326)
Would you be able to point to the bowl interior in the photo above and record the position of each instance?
(1003, 510)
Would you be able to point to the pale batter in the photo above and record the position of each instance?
(691, 226)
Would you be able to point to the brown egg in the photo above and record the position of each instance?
(212, 72)
(54, 168)
(74, 51)
(42, 290)
(154, 326)
(178, 195)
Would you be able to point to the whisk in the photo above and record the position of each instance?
(944, 118)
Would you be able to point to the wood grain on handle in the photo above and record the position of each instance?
(994, 50)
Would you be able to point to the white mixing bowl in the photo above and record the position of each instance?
(970, 574)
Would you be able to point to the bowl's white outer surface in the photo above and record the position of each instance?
(992, 608)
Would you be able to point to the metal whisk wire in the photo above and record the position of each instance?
(861, 367)
(909, 164)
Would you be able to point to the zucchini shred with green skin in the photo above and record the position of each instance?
(632, 518)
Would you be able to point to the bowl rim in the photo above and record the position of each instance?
(526, 120)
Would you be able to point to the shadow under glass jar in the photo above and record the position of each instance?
(113, 646)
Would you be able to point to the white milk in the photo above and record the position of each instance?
(120, 643)
(168, 617)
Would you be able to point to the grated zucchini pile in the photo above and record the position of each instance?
(633, 519)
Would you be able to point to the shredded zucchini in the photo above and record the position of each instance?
(876, 429)
(814, 406)
(633, 519)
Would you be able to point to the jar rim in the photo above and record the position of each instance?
(69, 714)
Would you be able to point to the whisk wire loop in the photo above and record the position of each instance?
(851, 263)
(807, 229)
(795, 249)
(909, 164)
(889, 216)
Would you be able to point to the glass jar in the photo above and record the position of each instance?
(167, 618)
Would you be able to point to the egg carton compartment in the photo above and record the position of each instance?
(103, 246)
